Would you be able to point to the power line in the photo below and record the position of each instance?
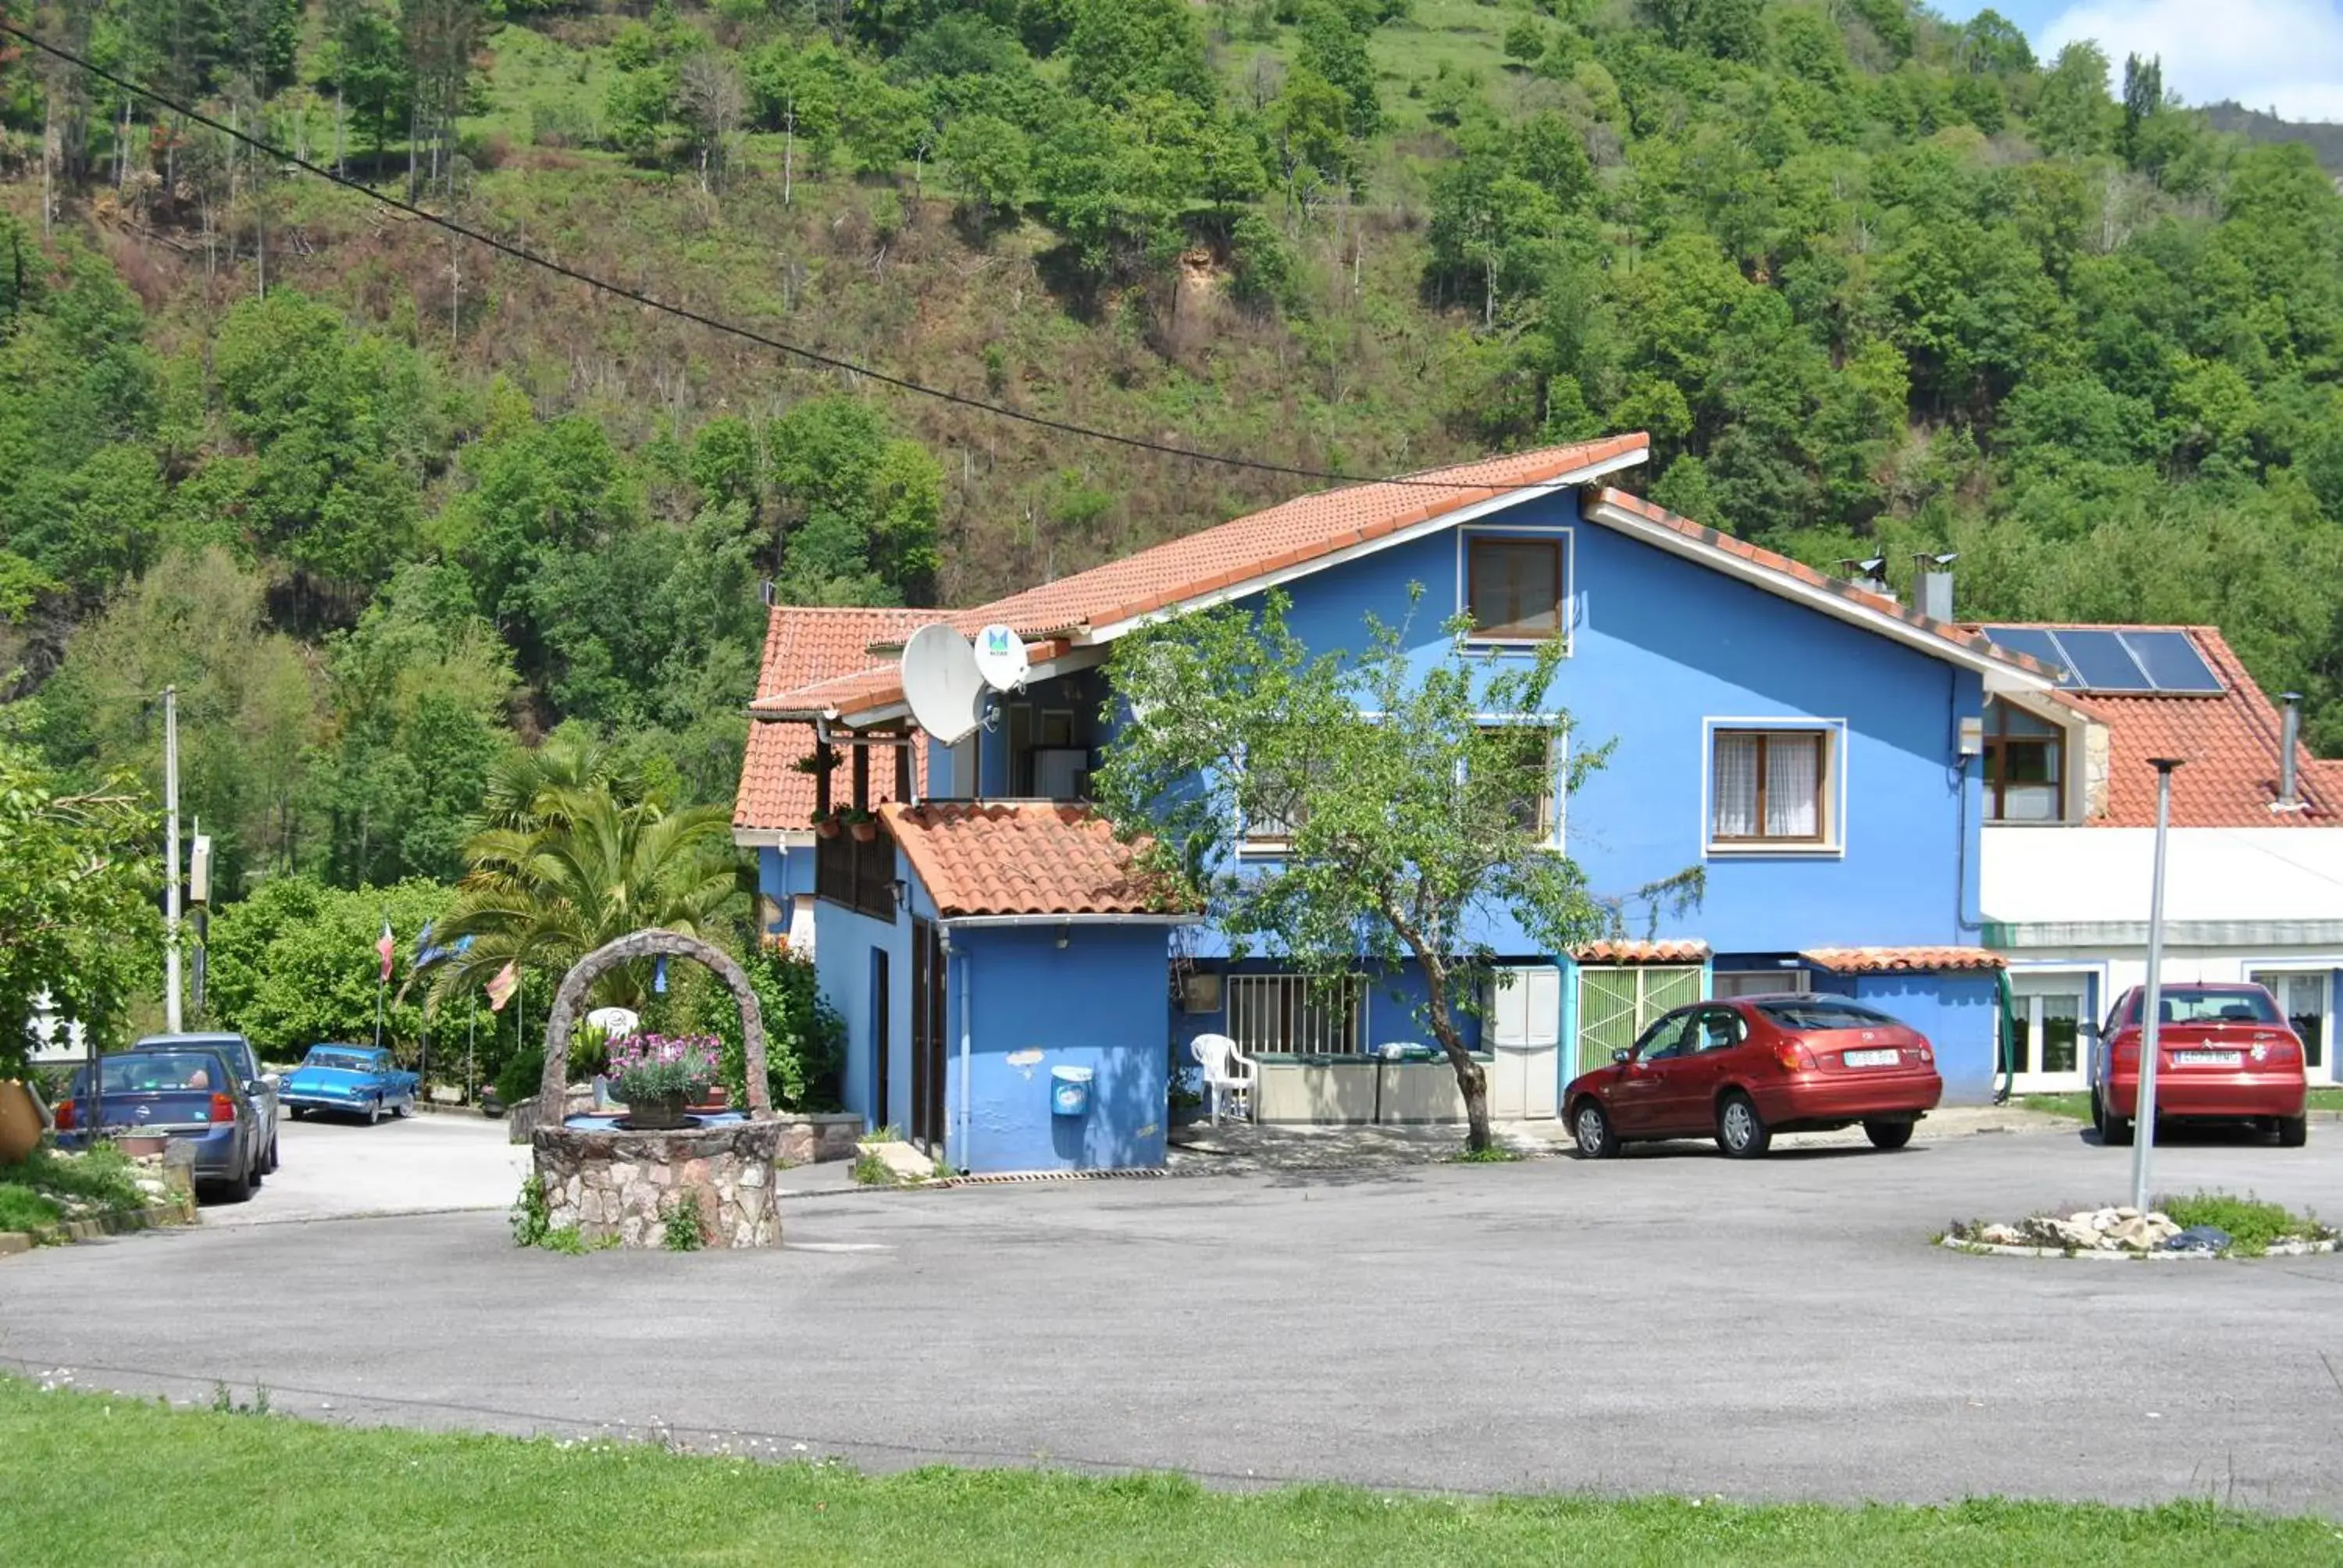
(684, 312)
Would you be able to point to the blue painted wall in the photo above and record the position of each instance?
(843, 944)
(1659, 645)
(1096, 1003)
(784, 875)
(1961, 1015)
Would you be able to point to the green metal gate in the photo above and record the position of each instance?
(1615, 1004)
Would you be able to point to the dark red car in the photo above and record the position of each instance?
(1743, 1069)
(2224, 1053)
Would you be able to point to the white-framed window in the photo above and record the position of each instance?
(2024, 766)
(1515, 584)
(2049, 1050)
(2306, 996)
(1290, 1014)
(1775, 787)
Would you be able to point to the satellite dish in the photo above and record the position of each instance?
(941, 684)
(1000, 658)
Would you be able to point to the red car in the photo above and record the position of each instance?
(1743, 1069)
(2224, 1053)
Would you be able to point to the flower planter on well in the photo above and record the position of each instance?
(864, 833)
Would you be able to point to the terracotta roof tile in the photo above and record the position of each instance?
(804, 644)
(1290, 534)
(1641, 952)
(2228, 746)
(1022, 858)
(1900, 960)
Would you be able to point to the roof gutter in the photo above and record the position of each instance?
(965, 922)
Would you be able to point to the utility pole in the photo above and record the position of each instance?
(2152, 1005)
(171, 1018)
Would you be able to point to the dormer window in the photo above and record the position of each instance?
(2024, 767)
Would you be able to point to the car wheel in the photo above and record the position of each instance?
(272, 1155)
(2293, 1132)
(406, 1108)
(1887, 1134)
(236, 1190)
(374, 1112)
(1741, 1132)
(2114, 1131)
(1591, 1127)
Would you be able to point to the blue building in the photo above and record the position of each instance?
(1809, 745)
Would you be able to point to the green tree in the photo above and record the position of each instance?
(584, 867)
(1336, 51)
(78, 874)
(248, 706)
(864, 506)
(295, 965)
(1406, 829)
(2071, 113)
(1119, 49)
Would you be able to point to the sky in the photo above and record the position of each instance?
(2286, 55)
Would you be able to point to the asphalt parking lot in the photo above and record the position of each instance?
(1669, 1322)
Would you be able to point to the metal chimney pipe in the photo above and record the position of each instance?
(2290, 734)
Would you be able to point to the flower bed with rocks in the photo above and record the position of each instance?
(2201, 1225)
(55, 1195)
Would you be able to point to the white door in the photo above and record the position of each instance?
(2046, 1043)
(2302, 996)
(1524, 1028)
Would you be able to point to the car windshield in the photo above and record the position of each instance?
(347, 1060)
(188, 1073)
(1810, 1015)
(2212, 1004)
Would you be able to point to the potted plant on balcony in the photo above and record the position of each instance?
(825, 824)
(658, 1075)
(862, 825)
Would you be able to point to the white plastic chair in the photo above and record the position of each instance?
(1228, 1075)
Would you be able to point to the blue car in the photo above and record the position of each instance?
(191, 1097)
(350, 1081)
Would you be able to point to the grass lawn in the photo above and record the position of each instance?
(88, 1479)
(2078, 1105)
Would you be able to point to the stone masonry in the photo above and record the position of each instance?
(616, 1183)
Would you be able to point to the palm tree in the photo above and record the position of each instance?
(579, 866)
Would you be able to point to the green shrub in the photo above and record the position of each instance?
(22, 1209)
(680, 1225)
(2251, 1223)
(805, 1038)
(101, 1177)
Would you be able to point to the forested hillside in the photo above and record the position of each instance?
(384, 505)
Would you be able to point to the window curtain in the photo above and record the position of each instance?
(1735, 793)
(1794, 787)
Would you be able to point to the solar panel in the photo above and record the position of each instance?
(2101, 662)
(2172, 661)
(2036, 643)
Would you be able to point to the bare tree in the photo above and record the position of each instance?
(711, 100)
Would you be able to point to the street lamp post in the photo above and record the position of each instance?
(171, 1014)
(2143, 1148)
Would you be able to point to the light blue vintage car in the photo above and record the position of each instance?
(351, 1080)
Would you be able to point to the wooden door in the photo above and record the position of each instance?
(928, 1020)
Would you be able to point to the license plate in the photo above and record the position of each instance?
(2207, 1058)
(1872, 1058)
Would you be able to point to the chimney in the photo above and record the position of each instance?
(2291, 735)
(1932, 584)
(1869, 573)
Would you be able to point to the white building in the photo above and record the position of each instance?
(2254, 874)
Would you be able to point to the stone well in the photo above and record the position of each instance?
(616, 1184)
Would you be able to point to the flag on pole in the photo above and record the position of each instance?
(386, 945)
(500, 990)
(424, 950)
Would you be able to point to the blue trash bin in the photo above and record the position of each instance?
(1069, 1091)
